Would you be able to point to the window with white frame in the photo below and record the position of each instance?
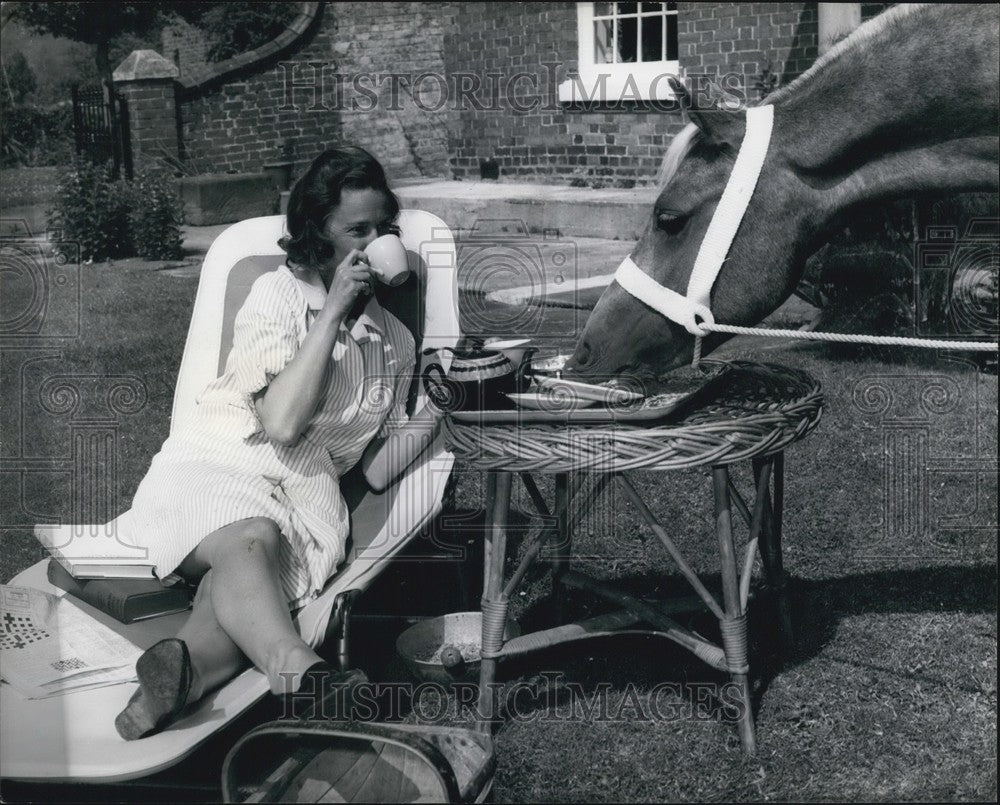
(626, 50)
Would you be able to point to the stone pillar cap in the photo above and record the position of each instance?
(144, 65)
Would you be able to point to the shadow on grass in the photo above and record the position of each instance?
(818, 607)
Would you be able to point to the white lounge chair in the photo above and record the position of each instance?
(72, 737)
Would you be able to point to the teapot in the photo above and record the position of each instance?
(480, 377)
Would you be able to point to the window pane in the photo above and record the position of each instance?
(603, 9)
(627, 8)
(628, 39)
(671, 37)
(652, 38)
(603, 53)
(648, 7)
(671, 6)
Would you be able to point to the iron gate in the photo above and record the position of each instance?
(100, 129)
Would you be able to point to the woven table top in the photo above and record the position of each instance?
(755, 409)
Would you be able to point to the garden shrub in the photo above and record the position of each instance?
(155, 216)
(235, 28)
(91, 209)
(34, 137)
(112, 218)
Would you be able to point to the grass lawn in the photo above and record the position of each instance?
(890, 545)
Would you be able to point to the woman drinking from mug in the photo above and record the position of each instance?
(244, 499)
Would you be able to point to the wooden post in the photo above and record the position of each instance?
(498, 492)
(734, 626)
(561, 561)
(770, 551)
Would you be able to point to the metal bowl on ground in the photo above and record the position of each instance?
(422, 645)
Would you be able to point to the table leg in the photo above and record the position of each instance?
(734, 625)
(494, 603)
(770, 551)
(562, 545)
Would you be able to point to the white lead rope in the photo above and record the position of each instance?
(857, 338)
(692, 310)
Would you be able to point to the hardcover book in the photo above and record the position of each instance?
(126, 600)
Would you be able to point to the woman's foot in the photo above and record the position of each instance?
(165, 675)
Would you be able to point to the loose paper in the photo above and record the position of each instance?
(49, 646)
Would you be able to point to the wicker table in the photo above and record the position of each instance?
(753, 415)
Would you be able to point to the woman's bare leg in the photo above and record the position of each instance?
(239, 613)
(248, 602)
(215, 658)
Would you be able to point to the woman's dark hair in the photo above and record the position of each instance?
(317, 193)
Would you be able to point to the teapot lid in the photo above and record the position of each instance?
(470, 348)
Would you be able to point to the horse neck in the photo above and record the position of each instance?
(909, 107)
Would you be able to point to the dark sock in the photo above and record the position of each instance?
(323, 693)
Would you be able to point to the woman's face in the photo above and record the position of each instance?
(361, 216)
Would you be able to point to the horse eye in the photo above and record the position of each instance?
(670, 223)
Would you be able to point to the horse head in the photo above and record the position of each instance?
(623, 335)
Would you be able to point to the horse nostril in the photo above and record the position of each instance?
(582, 353)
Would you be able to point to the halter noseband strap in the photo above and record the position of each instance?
(687, 310)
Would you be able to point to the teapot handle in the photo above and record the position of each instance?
(438, 389)
(521, 374)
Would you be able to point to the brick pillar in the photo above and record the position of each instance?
(146, 81)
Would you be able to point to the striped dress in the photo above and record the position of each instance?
(220, 467)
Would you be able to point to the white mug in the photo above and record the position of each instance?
(387, 258)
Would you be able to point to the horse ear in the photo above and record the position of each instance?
(716, 124)
(680, 91)
(719, 126)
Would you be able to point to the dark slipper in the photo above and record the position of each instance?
(164, 673)
(324, 693)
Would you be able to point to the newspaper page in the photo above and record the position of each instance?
(49, 646)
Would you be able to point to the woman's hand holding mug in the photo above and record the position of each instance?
(352, 277)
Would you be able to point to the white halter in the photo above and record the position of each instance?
(687, 310)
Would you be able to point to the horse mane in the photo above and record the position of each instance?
(679, 148)
(875, 28)
(861, 36)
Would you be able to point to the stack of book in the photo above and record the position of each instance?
(91, 564)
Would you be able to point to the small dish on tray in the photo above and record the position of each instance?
(553, 364)
(570, 389)
(546, 401)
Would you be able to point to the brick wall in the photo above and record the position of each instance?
(243, 123)
(747, 39)
(185, 45)
(615, 146)
(552, 141)
(152, 118)
(472, 52)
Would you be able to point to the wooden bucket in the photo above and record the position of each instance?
(323, 761)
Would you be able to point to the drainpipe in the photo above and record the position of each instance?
(835, 21)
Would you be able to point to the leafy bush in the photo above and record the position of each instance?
(111, 218)
(91, 208)
(235, 28)
(155, 216)
(19, 82)
(34, 137)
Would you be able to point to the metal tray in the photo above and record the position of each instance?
(651, 409)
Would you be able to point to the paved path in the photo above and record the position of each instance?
(508, 268)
